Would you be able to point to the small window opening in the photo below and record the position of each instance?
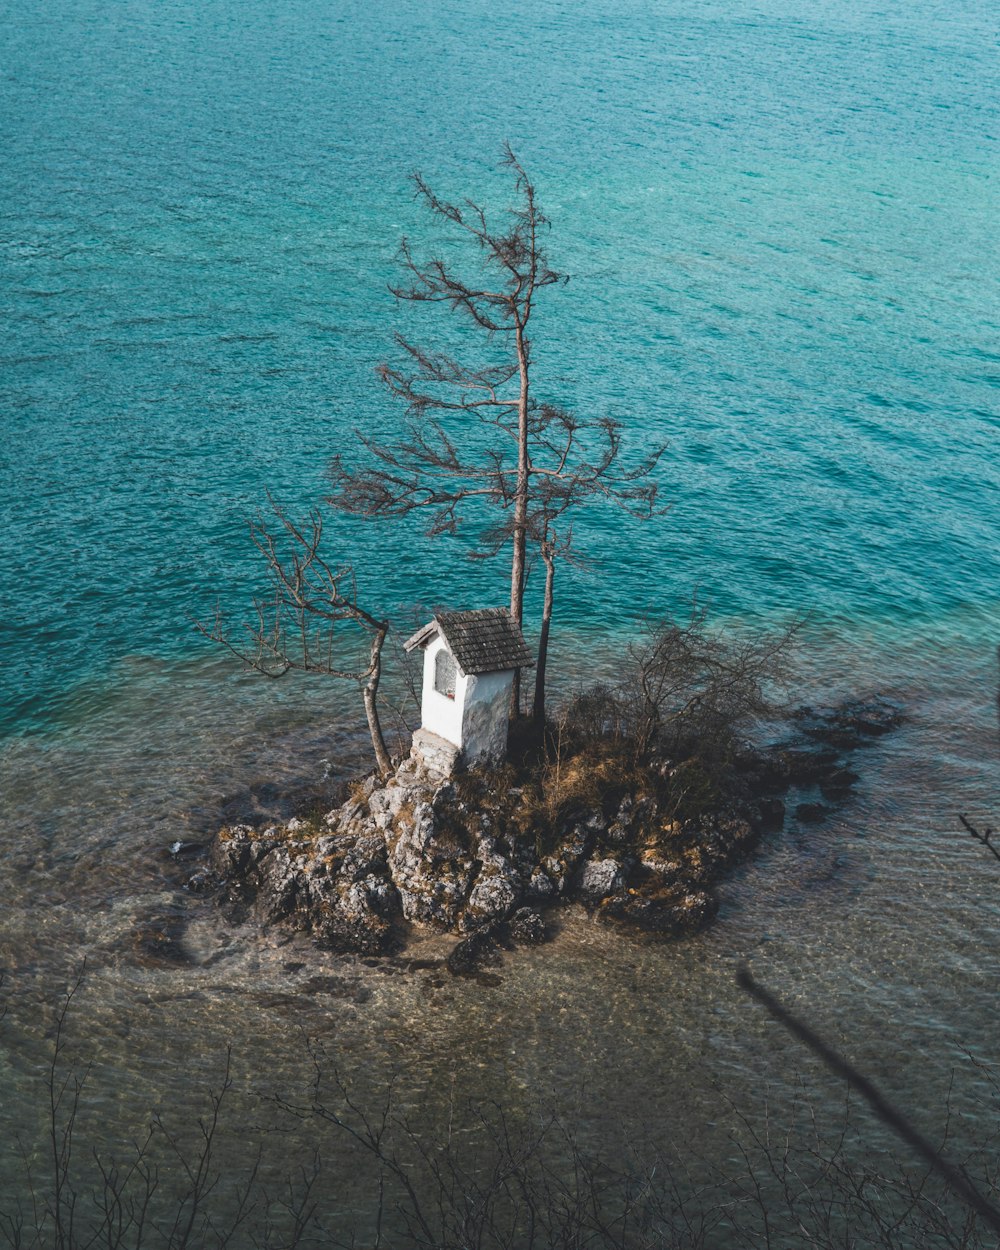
(445, 674)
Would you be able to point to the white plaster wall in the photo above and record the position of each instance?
(484, 723)
(438, 713)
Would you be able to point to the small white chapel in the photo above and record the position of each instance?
(470, 659)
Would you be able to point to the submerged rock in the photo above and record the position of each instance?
(851, 724)
(478, 951)
(838, 784)
(811, 813)
(808, 765)
(671, 912)
(770, 814)
(157, 942)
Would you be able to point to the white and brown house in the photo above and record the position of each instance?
(470, 659)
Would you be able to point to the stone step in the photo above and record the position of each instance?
(434, 753)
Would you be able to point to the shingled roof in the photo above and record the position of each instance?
(482, 641)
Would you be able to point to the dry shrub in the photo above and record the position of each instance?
(687, 693)
(690, 790)
(691, 691)
(669, 729)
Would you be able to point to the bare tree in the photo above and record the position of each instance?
(303, 624)
(529, 461)
(426, 469)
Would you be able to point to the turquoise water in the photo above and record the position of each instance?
(780, 232)
(779, 221)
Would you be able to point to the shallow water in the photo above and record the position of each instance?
(877, 926)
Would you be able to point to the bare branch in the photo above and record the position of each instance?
(981, 835)
(302, 625)
(954, 1177)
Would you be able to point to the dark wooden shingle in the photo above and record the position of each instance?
(482, 641)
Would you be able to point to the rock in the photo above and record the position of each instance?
(433, 881)
(497, 889)
(383, 897)
(406, 850)
(386, 805)
(623, 823)
(479, 950)
(556, 871)
(372, 896)
(811, 813)
(492, 898)
(808, 765)
(631, 815)
(593, 825)
(579, 837)
(185, 850)
(875, 716)
(348, 914)
(600, 878)
(727, 837)
(668, 870)
(765, 773)
(230, 854)
(202, 882)
(526, 927)
(446, 798)
(852, 724)
(278, 880)
(368, 855)
(575, 844)
(343, 819)
(838, 785)
(672, 912)
(436, 903)
(330, 845)
(770, 814)
(157, 941)
(371, 935)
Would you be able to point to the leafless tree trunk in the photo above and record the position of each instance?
(538, 709)
(955, 1177)
(520, 521)
(983, 836)
(370, 694)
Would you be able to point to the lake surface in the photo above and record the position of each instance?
(780, 229)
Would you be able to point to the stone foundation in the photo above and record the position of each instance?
(434, 753)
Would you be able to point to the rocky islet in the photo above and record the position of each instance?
(466, 855)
